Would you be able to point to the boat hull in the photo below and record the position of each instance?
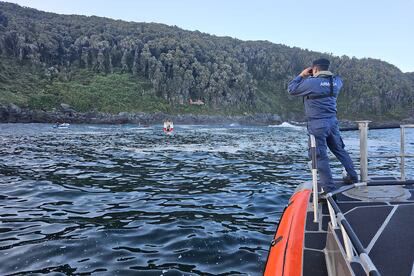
(286, 251)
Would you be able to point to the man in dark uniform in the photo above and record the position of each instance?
(319, 89)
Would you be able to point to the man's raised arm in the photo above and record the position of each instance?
(301, 85)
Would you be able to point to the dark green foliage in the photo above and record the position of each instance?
(101, 64)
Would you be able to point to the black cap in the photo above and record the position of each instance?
(322, 61)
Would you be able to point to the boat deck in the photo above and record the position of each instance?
(383, 220)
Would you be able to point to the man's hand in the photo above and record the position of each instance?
(306, 73)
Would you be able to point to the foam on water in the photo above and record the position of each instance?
(288, 125)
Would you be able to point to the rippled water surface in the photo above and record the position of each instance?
(118, 200)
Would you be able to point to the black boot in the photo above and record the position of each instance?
(349, 180)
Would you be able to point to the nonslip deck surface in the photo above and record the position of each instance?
(385, 229)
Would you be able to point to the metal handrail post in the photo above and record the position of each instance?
(402, 152)
(349, 249)
(363, 149)
(314, 177)
(348, 244)
(332, 215)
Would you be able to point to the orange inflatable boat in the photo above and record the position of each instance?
(286, 251)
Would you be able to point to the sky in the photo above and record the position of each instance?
(361, 28)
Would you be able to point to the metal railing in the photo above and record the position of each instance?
(314, 177)
(351, 240)
(363, 145)
(363, 149)
(352, 244)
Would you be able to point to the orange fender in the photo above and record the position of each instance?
(286, 252)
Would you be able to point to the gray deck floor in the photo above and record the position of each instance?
(385, 228)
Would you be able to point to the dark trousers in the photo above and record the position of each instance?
(327, 135)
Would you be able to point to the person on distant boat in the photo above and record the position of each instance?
(319, 89)
(168, 126)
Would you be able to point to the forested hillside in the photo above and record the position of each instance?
(100, 64)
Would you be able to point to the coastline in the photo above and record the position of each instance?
(14, 114)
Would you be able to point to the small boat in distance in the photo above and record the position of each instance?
(168, 127)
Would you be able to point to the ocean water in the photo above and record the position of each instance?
(128, 200)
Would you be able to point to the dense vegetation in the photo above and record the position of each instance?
(95, 63)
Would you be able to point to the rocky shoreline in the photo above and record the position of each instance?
(11, 113)
(14, 114)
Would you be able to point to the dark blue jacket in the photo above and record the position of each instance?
(317, 108)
